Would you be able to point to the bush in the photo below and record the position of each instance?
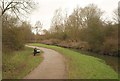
(110, 46)
(14, 36)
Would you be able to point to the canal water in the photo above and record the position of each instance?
(110, 60)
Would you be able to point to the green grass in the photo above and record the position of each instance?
(81, 66)
(18, 64)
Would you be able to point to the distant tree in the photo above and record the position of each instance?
(37, 28)
(45, 31)
(26, 28)
(110, 44)
(116, 15)
(57, 21)
(73, 24)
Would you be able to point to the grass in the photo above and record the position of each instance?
(18, 64)
(81, 66)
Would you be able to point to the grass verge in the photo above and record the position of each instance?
(18, 64)
(82, 66)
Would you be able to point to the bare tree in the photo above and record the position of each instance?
(16, 7)
(57, 21)
(116, 15)
(38, 27)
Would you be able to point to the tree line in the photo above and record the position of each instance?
(84, 29)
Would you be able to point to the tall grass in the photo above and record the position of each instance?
(18, 64)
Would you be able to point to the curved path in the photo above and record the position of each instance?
(52, 67)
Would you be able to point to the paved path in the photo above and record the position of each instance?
(52, 67)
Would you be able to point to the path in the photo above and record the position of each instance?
(52, 67)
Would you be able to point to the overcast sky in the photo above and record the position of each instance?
(46, 8)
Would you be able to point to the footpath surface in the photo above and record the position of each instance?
(52, 67)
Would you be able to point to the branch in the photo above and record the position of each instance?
(24, 10)
(13, 6)
(6, 7)
(19, 11)
(3, 4)
(15, 14)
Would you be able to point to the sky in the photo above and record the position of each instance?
(46, 8)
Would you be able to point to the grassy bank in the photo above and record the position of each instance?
(18, 64)
(83, 66)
